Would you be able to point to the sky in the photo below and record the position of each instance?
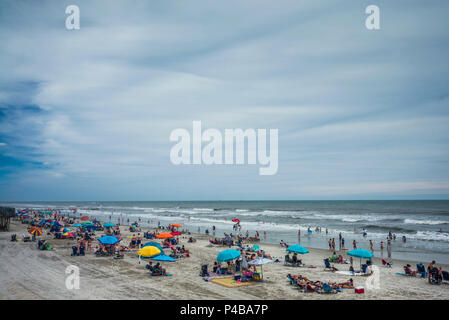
(87, 114)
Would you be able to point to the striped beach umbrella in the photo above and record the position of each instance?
(35, 231)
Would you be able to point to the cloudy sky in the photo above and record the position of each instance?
(87, 114)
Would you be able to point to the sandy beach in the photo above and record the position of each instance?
(28, 273)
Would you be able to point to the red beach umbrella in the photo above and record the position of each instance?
(85, 218)
(235, 220)
(175, 233)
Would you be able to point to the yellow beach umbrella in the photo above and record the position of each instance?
(148, 251)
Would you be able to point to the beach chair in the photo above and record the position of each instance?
(421, 270)
(75, 251)
(204, 272)
(386, 263)
(435, 277)
(82, 251)
(445, 275)
(364, 268)
(327, 265)
(327, 289)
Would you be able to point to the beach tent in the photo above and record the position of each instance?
(108, 240)
(297, 249)
(163, 258)
(228, 255)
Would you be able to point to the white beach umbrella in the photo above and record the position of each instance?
(259, 262)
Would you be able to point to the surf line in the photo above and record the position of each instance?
(212, 153)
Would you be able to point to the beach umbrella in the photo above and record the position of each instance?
(360, 253)
(44, 221)
(148, 251)
(87, 223)
(164, 235)
(56, 224)
(108, 240)
(260, 261)
(154, 244)
(177, 225)
(163, 258)
(108, 225)
(228, 255)
(235, 220)
(256, 247)
(77, 225)
(69, 235)
(84, 218)
(96, 221)
(297, 249)
(175, 233)
(35, 231)
(64, 230)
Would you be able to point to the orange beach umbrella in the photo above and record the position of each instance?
(164, 235)
(177, 225)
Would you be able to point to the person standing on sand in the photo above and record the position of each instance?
(382, 248)
(354, 244)
(371, 247)
(330, 244)
(342, 243)
(389, 248)
(339, 240)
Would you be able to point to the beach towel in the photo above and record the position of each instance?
(229, 282)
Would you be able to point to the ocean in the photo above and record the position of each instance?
(425, 223)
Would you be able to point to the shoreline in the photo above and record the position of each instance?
(28, 273)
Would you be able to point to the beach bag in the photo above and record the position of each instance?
(359, 290)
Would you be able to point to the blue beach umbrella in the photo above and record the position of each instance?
(77, 225)
(228, 255)
(360, 253)
(163, 258)
(108, 225)
(108, 240)
(297, 249)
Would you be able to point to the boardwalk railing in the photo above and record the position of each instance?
(6, 213)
